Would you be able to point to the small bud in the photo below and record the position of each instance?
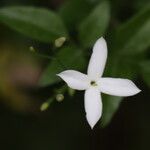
(60, 41)
(59, 97)
(44, 106)
(31, 48)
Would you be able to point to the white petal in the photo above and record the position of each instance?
(75, 80)
(118, 87)
(93, 106)
(98, 59)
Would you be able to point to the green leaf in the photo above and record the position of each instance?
(123, 66)
(145, 71)
(73, 11)
(111, 104)
(134, 36)
(117, 67)
(94, 25)
(67, 58)
(37, 23)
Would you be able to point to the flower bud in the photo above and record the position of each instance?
(44, 106)
(60, 41)
(59, 97)
(31, 48)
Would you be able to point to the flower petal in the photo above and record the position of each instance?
(93, 106)
(75, 80)
(118, 87)
(98, 59)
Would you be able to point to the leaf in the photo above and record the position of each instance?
(111, 104)
(67, 58)
(145, 71)
(123, 66)
(94, 25)
(134, 36)
(73, 11)
(127, 69)
(37, 23)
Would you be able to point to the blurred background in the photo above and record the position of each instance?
(41, 38)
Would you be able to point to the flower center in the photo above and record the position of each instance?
(93, 83)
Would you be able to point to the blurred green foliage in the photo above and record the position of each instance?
(38, 23)
(82, 22)
(70, 57)
(133, 36)
(145, 71)
(73, 18)
(94, 26)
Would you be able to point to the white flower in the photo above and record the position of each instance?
(93, 83)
